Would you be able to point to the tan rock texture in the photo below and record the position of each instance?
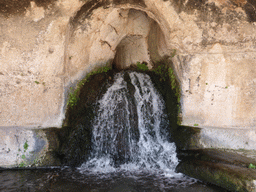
(47, 46)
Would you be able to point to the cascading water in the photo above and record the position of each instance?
(129, 128)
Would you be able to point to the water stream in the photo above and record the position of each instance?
(130, 129)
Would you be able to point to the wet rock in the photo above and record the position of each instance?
(225, 169)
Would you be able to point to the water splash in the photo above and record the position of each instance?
(129, 129)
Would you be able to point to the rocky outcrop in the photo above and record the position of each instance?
(48, 46)
(231, 170)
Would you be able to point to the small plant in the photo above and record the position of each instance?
(74, 94)
(25, 146)
(37, 82)
(252, 166)
(226, 87)
(162, 71)
(142, 66)
(195, 124)
(73, 98)
(22, 164)
(174, 84)
(206, 83)
(165, 72)
(173, 79)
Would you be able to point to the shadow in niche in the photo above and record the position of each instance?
(250, 9)
(75, 136)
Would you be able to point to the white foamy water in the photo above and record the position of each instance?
(129, 129)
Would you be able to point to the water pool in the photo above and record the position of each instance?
(68, 179)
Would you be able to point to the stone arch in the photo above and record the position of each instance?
(120, 32)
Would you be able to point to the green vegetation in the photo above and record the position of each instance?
(174, 84)
(73, 97)
(252, 166)
(74, 94)
(142, 66)
(37, 82)
(162, 71)
(195, 124)
(22, 164)
(165, 72)
(25, 146)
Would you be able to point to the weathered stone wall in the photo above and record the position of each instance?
(47, 46)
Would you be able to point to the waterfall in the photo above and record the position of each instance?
(129, 130)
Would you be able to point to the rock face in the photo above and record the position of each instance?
(228, 169)
(46, 47)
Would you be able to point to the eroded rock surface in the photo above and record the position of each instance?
(226, 169)
(46, 47)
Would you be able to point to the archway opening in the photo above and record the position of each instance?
(144, 42)
(126, 36)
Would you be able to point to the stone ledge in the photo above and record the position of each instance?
(219, 167)
(187, 137)
(27, 148)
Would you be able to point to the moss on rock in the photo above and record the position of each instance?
(75, 137)
(218, 167)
